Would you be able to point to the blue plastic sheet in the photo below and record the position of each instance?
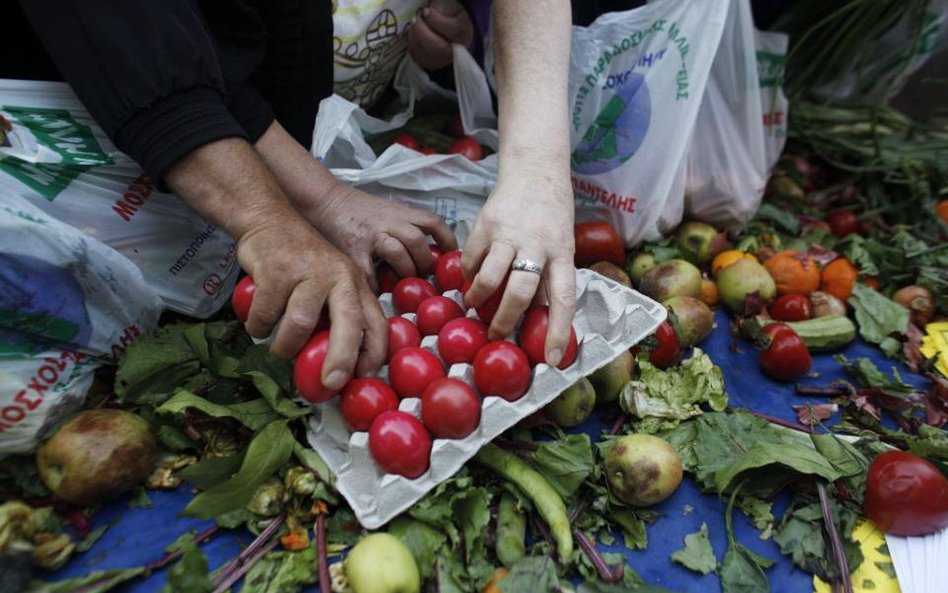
(137, 536)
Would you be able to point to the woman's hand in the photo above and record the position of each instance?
(434, 31)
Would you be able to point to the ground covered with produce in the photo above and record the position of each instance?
(790, 410)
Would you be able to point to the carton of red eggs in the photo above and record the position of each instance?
(609, 318)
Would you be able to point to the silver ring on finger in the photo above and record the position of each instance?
(522, 264)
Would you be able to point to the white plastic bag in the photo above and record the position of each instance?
(727, 162)
(56, 157)
(68, 303)
(637, 79)
(450, 185)
(771, 62)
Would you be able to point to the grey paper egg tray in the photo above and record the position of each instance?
(609, 318)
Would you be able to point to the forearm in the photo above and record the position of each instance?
(227, 182)
(532, 64)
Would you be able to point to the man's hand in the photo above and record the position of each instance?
(435, 29)
(362, 226)
(297, 272)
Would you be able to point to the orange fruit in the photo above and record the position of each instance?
(726, 258)
(499, 575)
(838, 277)
(793, 272)
(942, 210)
(709, 292)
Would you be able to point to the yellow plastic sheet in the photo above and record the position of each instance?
(935, 343)
(868, 578)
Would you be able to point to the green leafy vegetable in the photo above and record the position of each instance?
(677, 392)
(530, 575)
(879, 318)
(254, 414)
(697, 555)
(565, 462)
(281, 572)
(90, 540)
(189, 574)
(742, 570)
(266, 454)
(94, 582)
(140, 499)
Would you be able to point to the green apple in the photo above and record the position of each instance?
(694, 318)
(742, 278)
(381, 563)
(610, 379)
(671, 278)
(642, 469)
(574, 405)
(700, 241)
(641, 263)
(97, 455)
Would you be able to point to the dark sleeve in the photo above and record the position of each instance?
(146, 71)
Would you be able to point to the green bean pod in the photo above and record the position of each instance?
(511, 530)
(534, 486)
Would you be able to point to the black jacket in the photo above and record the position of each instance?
(165, 77)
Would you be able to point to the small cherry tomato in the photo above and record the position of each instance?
(667, 351)
(386, 277)
(787, 357)
(467, 147)
(843, 222)
(906, 495)
(364, 399)
(448, 274)
(532, 337)
(402, 333)
(412, 369)
(434, 312)
(598, 241)
(450, 409)
(460, 339)
(502, 369)
(407, 140)
(409, 292)
(791, 307)
(399, 444)
(308, 369)
(242, 298)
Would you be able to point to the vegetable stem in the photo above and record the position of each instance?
(606, 573)
(172, 556)
(236, 565)
(221, 585)
(835, 540)
(322, 557)
(774, 419)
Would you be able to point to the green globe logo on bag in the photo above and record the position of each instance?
(617, 131)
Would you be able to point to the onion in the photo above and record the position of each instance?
(826, 305)
(919, 300)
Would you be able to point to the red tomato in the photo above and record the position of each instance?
(434, 312)
(468, 147)
(386, 277)
(448, 273)
(402, 333)
(843, 222)
(667, 351)
(399, 444)
(532, 337)
(308, 369)
(598, 241)
(787, 357)
(906, 495)
(487, 309)
(409, 292)
(407, 140)
(502, 369)
(426, 150)
(412, 369)
(450, 409)
(242, 298)
(791, 307)
(460, 339)
(364, 399)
